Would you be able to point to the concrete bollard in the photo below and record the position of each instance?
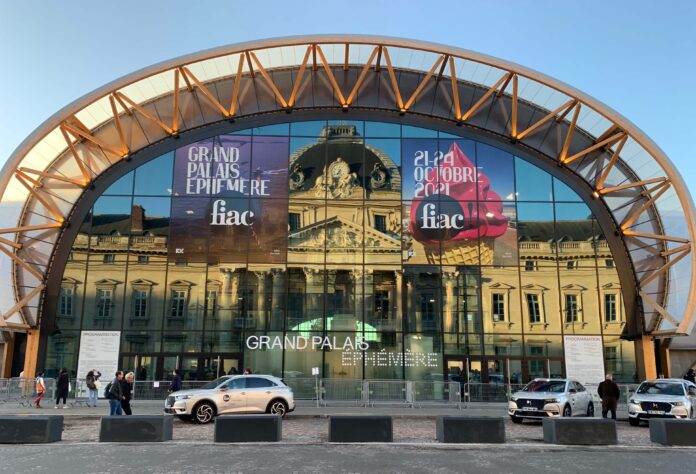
(248, 428)
(136, 429)
(474, 429)
(360, 429)
(672, 432)
(582, 431)
(31, 429)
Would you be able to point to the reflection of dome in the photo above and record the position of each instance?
(343, 141)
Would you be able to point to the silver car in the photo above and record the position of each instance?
(543, 398)
(232, 394)
(662, 398)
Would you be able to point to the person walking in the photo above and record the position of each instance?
(690, 375)
(92, 388)
(609, 393)
(62, 387)
(176, 383)
(40, 389)
(115, 395)
(248, 371)
(127, 388)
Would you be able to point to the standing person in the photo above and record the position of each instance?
(609, 393)
(176, 383)
(62, 387)
(40, 389)
(690, 375)
(127, 389)
(248, 371)
(115, 395)
(93, 391)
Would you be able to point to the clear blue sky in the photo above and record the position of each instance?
(636, 56)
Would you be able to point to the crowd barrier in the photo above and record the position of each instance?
(413, 393)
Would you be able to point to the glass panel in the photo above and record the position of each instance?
(307, 129)
(381, 129)
(562, 192)
(423, 298)
(155, 177)
(423, 357)
(305, 299)
(532, 183)
(122, 186)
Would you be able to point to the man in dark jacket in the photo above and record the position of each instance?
(116, 395)
(127, 389)
(176, 383)
(609, 393)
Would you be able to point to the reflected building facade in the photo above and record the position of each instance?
(442, 255)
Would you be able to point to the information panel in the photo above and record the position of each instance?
(99, 350)
(584, 359)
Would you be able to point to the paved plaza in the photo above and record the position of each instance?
(305, 448)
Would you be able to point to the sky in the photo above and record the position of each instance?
(635, 56)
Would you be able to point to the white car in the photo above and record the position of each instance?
(232, 394)
(662, 398)
(543, 398)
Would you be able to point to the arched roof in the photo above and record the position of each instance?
(613, 160)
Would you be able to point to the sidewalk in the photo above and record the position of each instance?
(303, 409)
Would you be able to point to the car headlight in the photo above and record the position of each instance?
(552, 400)
(182, 397)
(677, 404)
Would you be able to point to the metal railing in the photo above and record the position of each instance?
(411, 393)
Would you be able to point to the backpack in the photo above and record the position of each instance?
(107, 390)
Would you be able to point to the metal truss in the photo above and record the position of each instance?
(90, 150)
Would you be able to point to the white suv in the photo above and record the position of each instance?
(543, 398)
(662, 398)
(232, 394)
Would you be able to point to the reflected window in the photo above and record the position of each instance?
(65, 304)
(533, 308)
(427, 307)
(211, 301)
(381, 304)
(178, 304)
(529, 265)
(609, 263)
(109, 258)
(610, 308)
(381, 223)
(571, 308)
(104, 303)
(498, 307)
(294, 221)
(571, 264)
(140, 303)
(143, 259)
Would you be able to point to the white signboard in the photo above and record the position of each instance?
(315, 370)
(584, 359)
(98, 350)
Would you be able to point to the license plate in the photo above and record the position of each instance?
(656, 412)
(529, 409)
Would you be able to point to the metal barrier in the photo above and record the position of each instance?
(325, 391)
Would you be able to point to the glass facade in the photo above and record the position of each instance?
(369, 250)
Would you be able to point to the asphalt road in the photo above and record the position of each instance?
(187, 457)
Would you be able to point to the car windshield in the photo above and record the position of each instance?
(555, 386)
(661, 388)
(215, 383)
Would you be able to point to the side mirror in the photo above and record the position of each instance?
(572, 390)
(223, 388)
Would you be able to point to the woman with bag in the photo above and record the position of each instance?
(62, 387)
(93, 384)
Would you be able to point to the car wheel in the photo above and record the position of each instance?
(590, 409)
(277, 407)
(184, 417)
(567, 411)
(516, 419)
(633, 421)
(204, 412)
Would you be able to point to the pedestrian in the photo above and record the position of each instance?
(248, 371)
(115, 394)
(127, 388)
(176, 383)
(609, 393)
(62, 387)
(92, 389)
(690, 375)
(40, 389)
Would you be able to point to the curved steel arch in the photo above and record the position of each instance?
(615, 161)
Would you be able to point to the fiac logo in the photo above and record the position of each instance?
(221, 216)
